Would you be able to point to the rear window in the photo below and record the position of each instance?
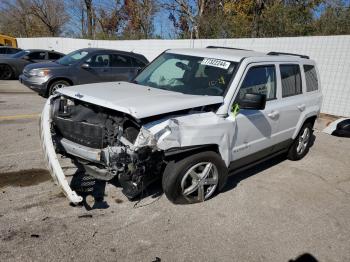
(311, 78)
(291, 80)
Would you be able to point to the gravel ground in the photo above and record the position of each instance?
(276, 211)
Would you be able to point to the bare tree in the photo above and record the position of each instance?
(90, 17)
(139, 16)
(110, 19)
(189, 13)
(18, 19)
(51, 13)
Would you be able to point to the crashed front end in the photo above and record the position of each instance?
(107, 143)
(99, 141)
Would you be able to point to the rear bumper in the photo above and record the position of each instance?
(51, 157)
(37, 85)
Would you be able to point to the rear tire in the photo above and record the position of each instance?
(301, 144)
(7, 72)
(57, 85)
(195, 178)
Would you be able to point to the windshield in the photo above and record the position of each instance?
(20, 54)
(72, 58)
(188, 74)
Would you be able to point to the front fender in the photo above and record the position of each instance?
(188, 131)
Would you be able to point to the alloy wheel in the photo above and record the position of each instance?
(200, 182)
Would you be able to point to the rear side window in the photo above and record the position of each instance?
(120, 61)
(291, 80)
(260, 80)
(3, 50)
(54, 56)
(101, 60)
(37, 55)
(138, 63)
(311, 78)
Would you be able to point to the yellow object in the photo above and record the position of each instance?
(8, 41)
(15, 117)
(221, 80)
(235, 109)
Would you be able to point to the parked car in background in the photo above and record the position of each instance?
(89, 65)
(11, 67)
(191, 117)
(7, 51)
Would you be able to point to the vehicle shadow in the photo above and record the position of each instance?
(236, 177)
(306, 257)
(155, 191)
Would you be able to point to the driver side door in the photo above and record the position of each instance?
(256, 129)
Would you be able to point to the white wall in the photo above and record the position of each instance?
(332, 54)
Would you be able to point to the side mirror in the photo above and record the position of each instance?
(26, 57)
(253, 101)
(85, 66)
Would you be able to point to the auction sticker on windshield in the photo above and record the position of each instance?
(215, 62)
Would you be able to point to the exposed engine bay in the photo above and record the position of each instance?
(101, 142)
(107, 144)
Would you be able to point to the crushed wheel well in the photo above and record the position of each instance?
(182, 152)
(311, 120)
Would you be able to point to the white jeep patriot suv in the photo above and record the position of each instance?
(191, 117)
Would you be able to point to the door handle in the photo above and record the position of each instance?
(301, 107)
(273, 114)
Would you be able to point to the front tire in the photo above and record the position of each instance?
(57, 85)
(195, 178)
(301, 144)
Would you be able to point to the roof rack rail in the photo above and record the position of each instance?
(281, 53)
(224, 47)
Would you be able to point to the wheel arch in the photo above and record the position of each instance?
(310, 118)
(179, 153)
(51, 81)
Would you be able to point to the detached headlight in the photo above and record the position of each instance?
(39, 72)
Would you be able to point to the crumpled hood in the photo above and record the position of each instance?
(136, 100)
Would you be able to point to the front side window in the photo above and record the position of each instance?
(188, 74)
(260, 80)
(311, 78)
(291, 80)
(72, 58)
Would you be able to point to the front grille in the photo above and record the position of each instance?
(83, 133)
